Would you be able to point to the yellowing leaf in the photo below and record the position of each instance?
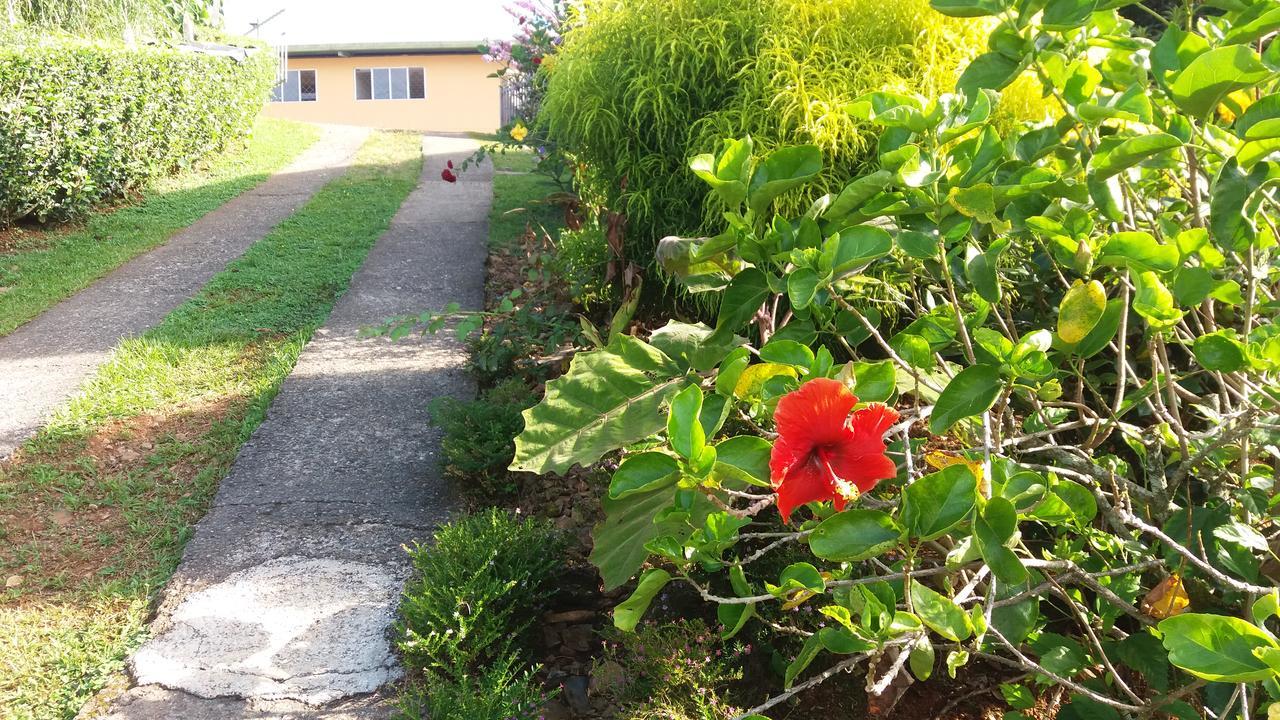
(799, 597)
(1082, 307)
(939, 460)
(1167, 599)
(755, 376)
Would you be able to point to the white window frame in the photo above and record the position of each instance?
(408, 84)
(299, 72)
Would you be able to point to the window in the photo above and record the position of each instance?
(403, 83)
(299, 86)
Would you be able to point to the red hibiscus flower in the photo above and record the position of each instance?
(448, 176)
(823, 452)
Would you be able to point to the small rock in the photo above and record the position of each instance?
(575, 694)
(570, 616)
(13, 581)
(550, 637)
(61, 518)
(607, 675)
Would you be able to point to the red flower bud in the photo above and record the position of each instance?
(448, 176)
(449, 163)
(537, 61)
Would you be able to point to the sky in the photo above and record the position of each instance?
(345, 21)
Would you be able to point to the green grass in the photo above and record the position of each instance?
(44, 267)
(98, 506)
(518, 200)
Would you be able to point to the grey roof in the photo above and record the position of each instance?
(451, 47)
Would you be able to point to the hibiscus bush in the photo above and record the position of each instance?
(1053, 450)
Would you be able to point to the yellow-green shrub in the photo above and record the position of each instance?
(640, 86)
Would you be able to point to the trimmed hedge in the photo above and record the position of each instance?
(82, 122)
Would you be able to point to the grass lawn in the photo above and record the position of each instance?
(97, 507)
(38, 268)
(517, 200)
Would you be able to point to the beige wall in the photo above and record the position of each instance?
(460, 95)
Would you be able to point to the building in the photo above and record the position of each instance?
(429, 86)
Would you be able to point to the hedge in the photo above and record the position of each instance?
(639, 87)
(82, 122)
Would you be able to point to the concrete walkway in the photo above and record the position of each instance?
(45, 361)
(282, 605)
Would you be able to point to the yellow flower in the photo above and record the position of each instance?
(519, 132)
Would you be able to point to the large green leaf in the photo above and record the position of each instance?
(971, 392)
(609, 398)
(937, 502)
(1213, 75)
(691, 346)
(745, 458)
(1067, 14)
(1231, 207)
(993, 528)
(857, 193)
(780, 171)
(1154, 302)
(1217, 648)
(854, 535)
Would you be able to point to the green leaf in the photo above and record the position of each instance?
(729, 173)
(744, 296)
(802, 285)
(853, 248)
(980, 268)
(1131, 152)
(1216, 647)
(1082, 308)
(780, 171)
(690, 345)
(812, 646)
(1219, 351)
(1154, 302)
(1140, 251)
(787, 352)
(745, 457)
(580, 418)
(922, 658)
(684, 430)
(733, 617)
(1266, 607)
(969, 8)
(618, 549)
(1213, 75)
(939, 613)
(1230, 207)
(628, 613)
(857, 193)
(1062, 15)
(854, 535)
(918, 244)
(875, 381)
(994, 528)
(936, 503)
(971, 392)
(643, 472)
(1259, 20)
(1102, 333)
(990, 70)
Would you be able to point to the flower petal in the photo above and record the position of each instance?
(861, 459)
(816, 413)
(803, 482)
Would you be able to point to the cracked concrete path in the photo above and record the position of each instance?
(283, 603)
(45, 361)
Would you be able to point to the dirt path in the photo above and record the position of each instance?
(46, 360)
(283, 602)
